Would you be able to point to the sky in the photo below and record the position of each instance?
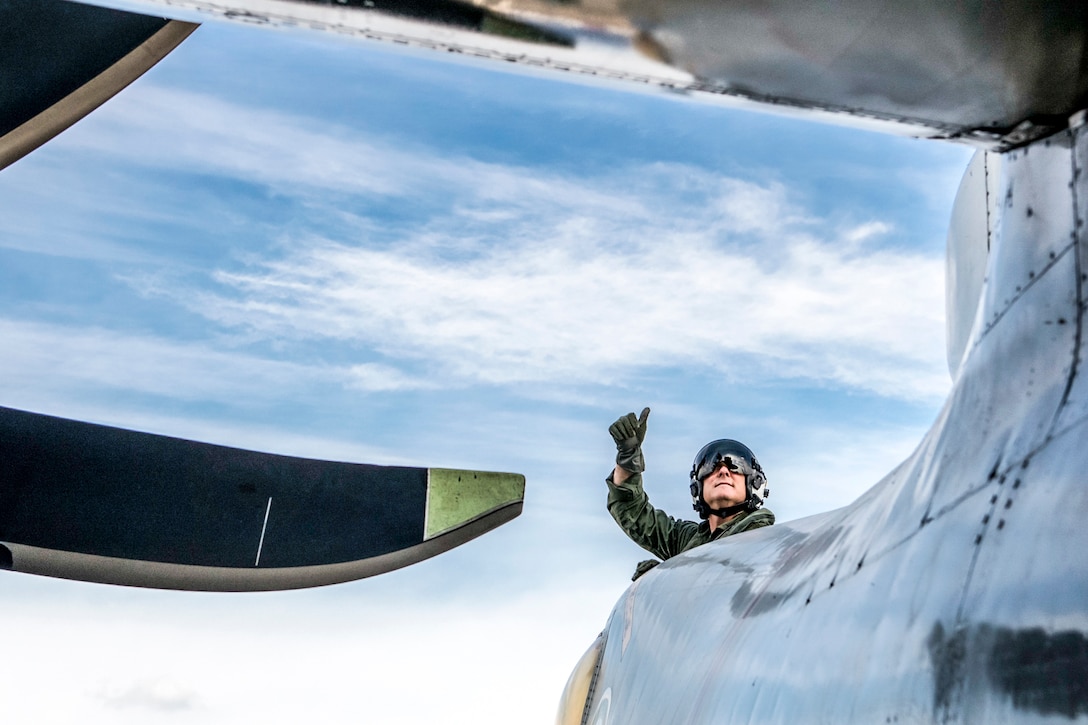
(353, 251)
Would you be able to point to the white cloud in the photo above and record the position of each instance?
(378, 377)
(355, 654)
(293, 154)
(866, 231)
(40, 357)
(210, 134)
(513, 275)
(517, 276)
(585, 284)
(162, 694)
(837, 464)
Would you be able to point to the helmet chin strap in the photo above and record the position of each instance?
(727, 511)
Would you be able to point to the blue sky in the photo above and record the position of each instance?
(354, 251)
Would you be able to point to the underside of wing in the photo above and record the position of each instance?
(95, 503)
(995, 75)
(60, 60)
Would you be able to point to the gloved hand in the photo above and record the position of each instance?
(643, 567)
(629, 434)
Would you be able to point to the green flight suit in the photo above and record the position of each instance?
(661, 534)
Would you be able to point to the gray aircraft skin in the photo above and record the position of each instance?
(955, 589)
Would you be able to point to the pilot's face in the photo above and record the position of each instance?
(724, 488)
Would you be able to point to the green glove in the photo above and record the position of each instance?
(643, 567)
(629, 434)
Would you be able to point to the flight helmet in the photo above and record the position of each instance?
(737, 457)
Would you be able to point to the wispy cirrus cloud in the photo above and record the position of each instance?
(292, 154)
(510, 274)
(42, 356)
(734, 277)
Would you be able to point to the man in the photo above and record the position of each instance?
(727, 489)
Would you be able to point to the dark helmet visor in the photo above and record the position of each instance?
(731, 461)
(733, 454)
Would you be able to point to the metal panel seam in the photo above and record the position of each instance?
(1078, 332)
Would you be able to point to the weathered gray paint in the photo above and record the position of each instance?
(968, 252)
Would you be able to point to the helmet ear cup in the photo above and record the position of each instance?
(756, 484)
(697, 502)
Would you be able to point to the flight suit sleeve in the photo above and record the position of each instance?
(652, 529)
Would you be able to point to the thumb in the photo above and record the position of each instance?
(642, 424)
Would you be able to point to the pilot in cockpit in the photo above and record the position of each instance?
(727, 488)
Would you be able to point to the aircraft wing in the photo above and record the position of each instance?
(995, 75)
(95, 503)
(59, 61)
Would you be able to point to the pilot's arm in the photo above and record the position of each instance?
(652, 529)
(649, 527)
